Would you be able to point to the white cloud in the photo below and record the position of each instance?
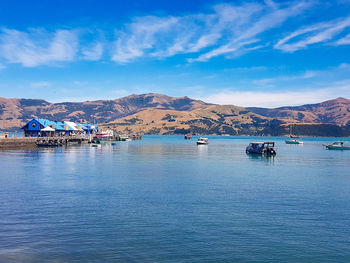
(229, 30)
(258, 21)
(37, 47)
(314, 34)
(41, 84)
(343, 41)
(143, 36)
(93, 53)
(277, 99)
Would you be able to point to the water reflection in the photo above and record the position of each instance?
(269, 159)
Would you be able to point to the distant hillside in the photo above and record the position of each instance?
(161, 114)
(335, 111)
(16, 112)
(217, 120)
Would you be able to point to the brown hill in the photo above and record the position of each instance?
(335, 111)
(214, 119)
(16, 112)
(156, 113)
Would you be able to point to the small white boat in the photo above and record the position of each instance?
(202, 141)
(294, 141)
(293, 138)
(337, 146)
(124, 138)
(95, 145)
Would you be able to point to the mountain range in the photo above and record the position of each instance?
(160, 114)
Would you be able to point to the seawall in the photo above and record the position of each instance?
(15, 143)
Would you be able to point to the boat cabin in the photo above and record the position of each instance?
(261, 148)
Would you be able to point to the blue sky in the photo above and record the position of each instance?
(247, 53)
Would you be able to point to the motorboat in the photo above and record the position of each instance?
(104, 135)
(337, 146)
(202, 141)
(294, 141)
(124, 138)
(265, 148)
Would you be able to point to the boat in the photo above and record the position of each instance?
(202, 141)
(124, 138)
(337, 146)
(293, 141)
(107, 135)
(188, 136)
(265, 148)
(95, 145)
(293, 138)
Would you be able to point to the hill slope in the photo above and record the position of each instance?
(156, 113)
(216, 120)
(16, 112)
(335, 111)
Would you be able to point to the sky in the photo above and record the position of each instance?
(247, 53)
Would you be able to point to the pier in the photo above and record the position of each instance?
(33, 142)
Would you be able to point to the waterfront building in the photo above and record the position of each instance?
(43, 127)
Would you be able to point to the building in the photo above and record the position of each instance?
(44, 127)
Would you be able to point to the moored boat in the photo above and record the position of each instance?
(294, 141)
(265, 148)
(202, 141)
(104, 135)
(293, 138)
(337, 146)
(188, 136)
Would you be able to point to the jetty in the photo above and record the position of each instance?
(15, 143)
(61, 141)
(34, 142)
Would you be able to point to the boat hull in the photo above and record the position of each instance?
(341, 148)
(294, 142)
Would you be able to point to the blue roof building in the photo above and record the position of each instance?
(44, 127)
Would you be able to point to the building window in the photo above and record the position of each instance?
(34, 124)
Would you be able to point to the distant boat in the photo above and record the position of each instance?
(337, 146)
(104, 135)
(188, 136)
(265, 148)
(294, 141)
(203, 141)
(124, 138)
(293, 138)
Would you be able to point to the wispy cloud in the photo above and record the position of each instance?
(93, 52)
(37, 47)
(278, 98)
(41, 84)
(324, 32)
(229, 30)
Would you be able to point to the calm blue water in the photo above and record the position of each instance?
(165, 199)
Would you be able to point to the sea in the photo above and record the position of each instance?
(165, 199)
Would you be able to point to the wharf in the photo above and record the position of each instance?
(14, 143)
(30, 142)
